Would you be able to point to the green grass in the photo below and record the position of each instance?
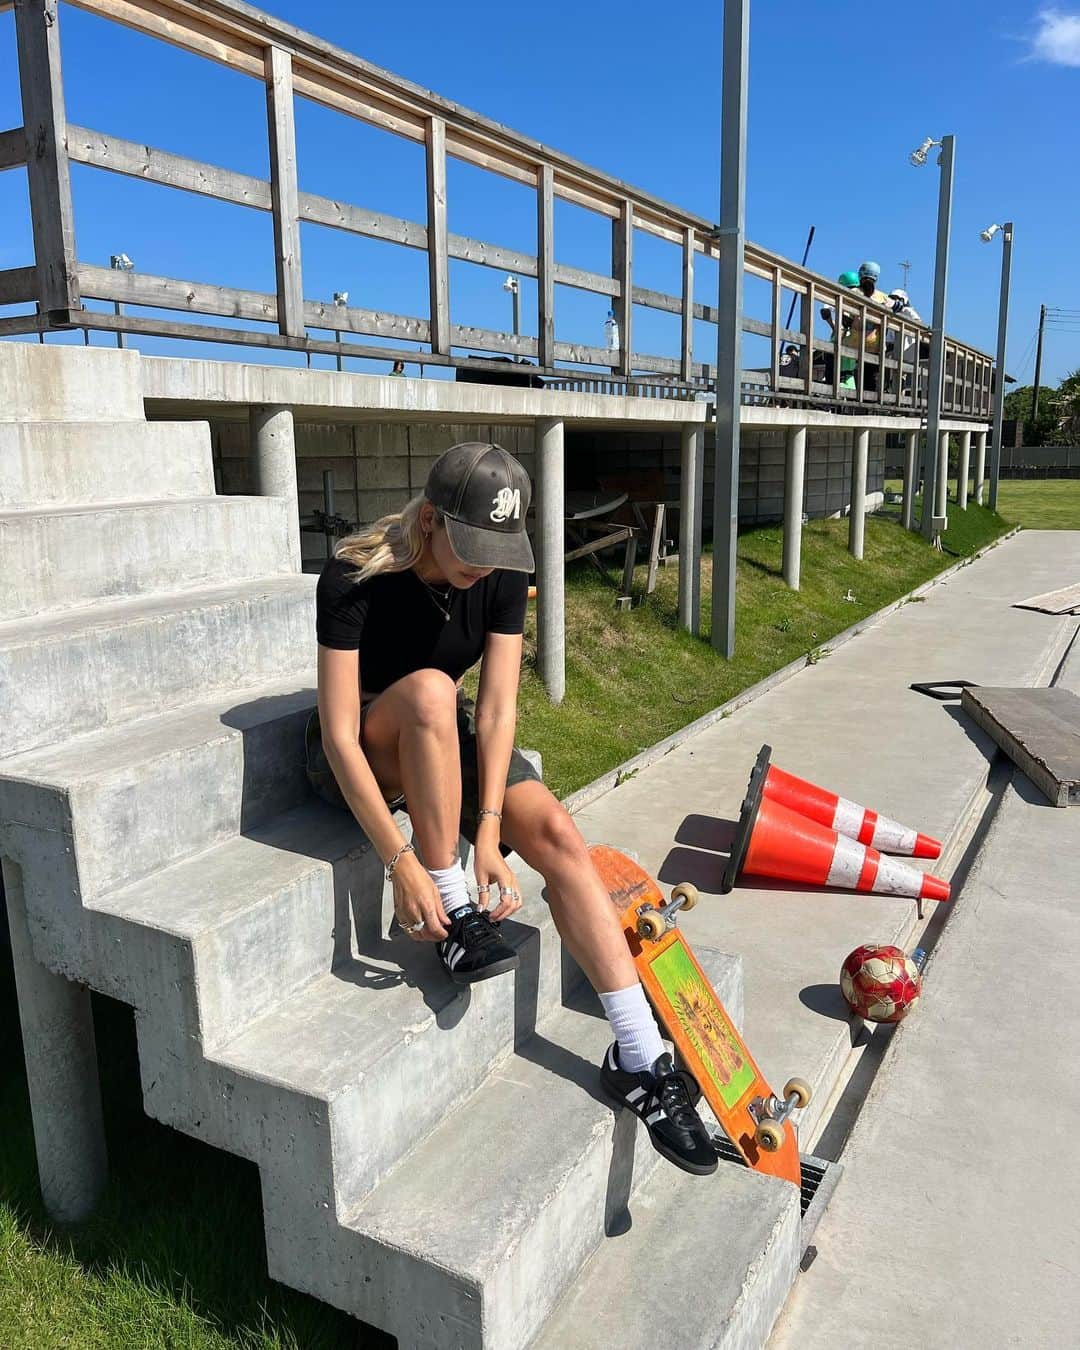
(1041, 503)
(634, 677)
(175, 1259)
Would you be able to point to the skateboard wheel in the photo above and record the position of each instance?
(650, 926)
(687, 892)
(769, 1135)
(800, 1089)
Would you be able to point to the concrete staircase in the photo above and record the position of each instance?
(437, 1162)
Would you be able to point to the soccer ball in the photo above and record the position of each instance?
(880, 983)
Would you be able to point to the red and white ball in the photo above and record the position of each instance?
(880, 983)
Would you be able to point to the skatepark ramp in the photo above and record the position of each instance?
(438, 1162)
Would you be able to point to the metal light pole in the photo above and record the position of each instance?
(512, 285)
(731, 235)
(119, 262)
(935, 469)
(1003, 324)
(341, 300)
(1038, 369)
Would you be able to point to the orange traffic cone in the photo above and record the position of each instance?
(774, 841)
(845, 817)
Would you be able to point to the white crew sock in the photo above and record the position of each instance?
(453, 888)
(635, 1028)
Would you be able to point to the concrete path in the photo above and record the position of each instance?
(850, 723)
(956, 1221)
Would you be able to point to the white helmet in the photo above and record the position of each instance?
(900, 295)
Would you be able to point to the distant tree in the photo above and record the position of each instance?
(1018, 407)
(1068, 409)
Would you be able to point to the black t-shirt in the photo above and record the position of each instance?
(395, 624)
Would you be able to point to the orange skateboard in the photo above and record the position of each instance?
(757, 1122)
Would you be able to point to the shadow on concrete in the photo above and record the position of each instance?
(703, 869)
(617, 1217)
(827, 1000)
(715, 833)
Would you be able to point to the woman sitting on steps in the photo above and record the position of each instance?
(405, 607)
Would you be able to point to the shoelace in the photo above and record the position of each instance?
(477, 931)
(672, 1093)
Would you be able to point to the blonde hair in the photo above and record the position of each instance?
(393, 543)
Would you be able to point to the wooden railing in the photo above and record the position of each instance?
(806, 364)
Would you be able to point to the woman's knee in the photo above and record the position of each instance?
(430, 697)
(558, 840)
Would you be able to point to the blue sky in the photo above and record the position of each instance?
(839, 94)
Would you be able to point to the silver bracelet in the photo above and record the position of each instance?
(405, 848)
(488, 811)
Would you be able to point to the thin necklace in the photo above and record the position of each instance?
(442, 600)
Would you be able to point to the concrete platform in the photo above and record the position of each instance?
(850, 723)
(955, 1224)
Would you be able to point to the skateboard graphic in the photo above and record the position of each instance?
(757, 1122)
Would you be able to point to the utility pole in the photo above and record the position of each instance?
(1038, 368)
(904, 267)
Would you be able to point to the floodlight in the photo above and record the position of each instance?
(919, 156)
(511, 285)
(988, 234)
(120, 262)
(341, 299)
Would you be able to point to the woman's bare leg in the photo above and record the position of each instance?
(539, 829)
(411, 743)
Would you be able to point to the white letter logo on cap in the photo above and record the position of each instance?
(507, 504)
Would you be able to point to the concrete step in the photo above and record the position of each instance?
(56, 463)
(358, 1066)
(100, 664)
(476, 1235)
(705, 1265)
(67, 556)
(151, 792)
(83, 384)
(214, 943)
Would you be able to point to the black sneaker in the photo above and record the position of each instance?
(473, 949)
(664, 1099)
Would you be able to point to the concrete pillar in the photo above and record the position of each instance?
(941, 495)
(691, 479)
(273, 444)
(860, 455)
(911, 485)
(980, 465)
(62, 1073)
(962, 470)
(794, 471)
(550, 568)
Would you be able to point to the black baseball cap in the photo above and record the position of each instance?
(483, 493)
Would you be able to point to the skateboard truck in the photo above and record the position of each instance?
(771, 1112)
(653, 923)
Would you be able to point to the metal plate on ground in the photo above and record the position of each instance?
(1063, 601)
(1039, 729)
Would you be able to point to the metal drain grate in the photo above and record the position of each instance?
(819, 1179)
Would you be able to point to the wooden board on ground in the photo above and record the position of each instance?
(1039, 729)
(1066, 600)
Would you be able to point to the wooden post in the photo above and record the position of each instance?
(438, 268)
(545, 263)
(622, 269)
(284, 191)
(777, 312)
(37, 37)
(806, 323)
(687, 363)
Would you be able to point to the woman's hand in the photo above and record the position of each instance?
(416, 897)
(499, 891)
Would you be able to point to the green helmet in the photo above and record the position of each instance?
(848, 279)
